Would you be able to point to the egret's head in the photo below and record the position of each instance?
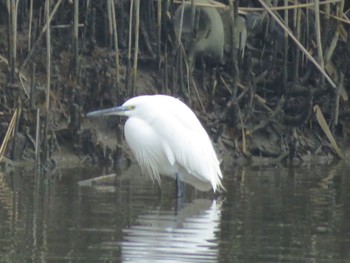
(120, 110)
(132, 107)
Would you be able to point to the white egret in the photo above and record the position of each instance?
(167, 139)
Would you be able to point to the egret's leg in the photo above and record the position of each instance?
(179, 187)
(179, 203)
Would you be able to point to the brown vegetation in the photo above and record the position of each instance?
(285, 98)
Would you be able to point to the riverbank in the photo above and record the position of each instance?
(259, 116)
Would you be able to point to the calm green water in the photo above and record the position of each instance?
(273, 214)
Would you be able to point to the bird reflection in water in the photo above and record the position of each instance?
(189, 235)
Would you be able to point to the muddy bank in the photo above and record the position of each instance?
(261, 102)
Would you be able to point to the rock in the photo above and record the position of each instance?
(210, 36)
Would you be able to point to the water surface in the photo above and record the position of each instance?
(268, 214)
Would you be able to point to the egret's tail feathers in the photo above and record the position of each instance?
(219, 187)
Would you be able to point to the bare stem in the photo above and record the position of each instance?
(116, 48)
(8, 134)
(159, 25)
(318, 34)
(37, 138)
(41, 35)
(30, 24)
(285, 64)
(302, 48)
(129, 47)
(48, 77)
(136, 51)
(75, 36)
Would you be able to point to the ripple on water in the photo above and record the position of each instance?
(188, 236)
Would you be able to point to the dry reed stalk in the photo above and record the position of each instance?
(32, 87)
(285, 62)
(75, 37)
(233, 9)
(324, 126)
(166, 71)
(337, 99)
(21, 76)
(318, 34)
(12, 8)
(48, 78)
(30, 24)
(136, 45)
(159, 25)
(335, 115)
(327, 13)
(213, 4)
(245, 10)
(301, 47)
(87, 13)
(128, 67)
(110, 23)
(297, 26)
(190, 57)
(9, 33)
(15, 130)
(43, 30)
(48, 54)
(63, 26)
(37, 138)
(8, 134)
(116, 47)
(257, 98)
(244, 140)
(164, 14)
(180, 74)
(197, 94)
(280, 8)
(93, 28)
(23, 86)
(335, 38)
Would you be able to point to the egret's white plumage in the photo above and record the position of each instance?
(167, 138)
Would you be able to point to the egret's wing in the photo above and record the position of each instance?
(145, 144)
(186, 142)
